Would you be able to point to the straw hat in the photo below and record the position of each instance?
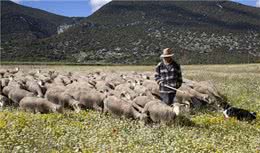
(167, 52)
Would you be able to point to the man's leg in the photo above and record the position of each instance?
(171, 98)
(164, 97)
(167, 98)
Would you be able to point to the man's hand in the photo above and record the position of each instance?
(178, 85)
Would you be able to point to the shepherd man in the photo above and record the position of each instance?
(168, 73)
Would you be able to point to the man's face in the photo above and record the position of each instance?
(167, 59)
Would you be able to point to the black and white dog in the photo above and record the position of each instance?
(238, 113)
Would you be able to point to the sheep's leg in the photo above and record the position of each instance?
(75, 106)
(1, 104)
(22, 109)
(136, 114)
(40, 95)
(54, 110)
(97, 108)
(137, 107)
(105, 110)
(36, 111)
(145, 119)
(205, 97)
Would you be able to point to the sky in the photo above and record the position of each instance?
(83, 8)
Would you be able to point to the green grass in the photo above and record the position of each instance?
(90, 131)
(60, 63)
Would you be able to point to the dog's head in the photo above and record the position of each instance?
(226, 116)
(254, 114)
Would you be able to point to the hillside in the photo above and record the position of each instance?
(22, 24)
(135, 32)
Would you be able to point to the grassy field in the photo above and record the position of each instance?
(90, 131)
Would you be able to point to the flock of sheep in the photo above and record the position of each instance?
(131, 95)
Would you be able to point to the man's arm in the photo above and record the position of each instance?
(157, 74)
(179, 78)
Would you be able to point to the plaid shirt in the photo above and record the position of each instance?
(168, 75)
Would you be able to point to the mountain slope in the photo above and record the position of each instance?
(21, 23)
(222, 14)
(136, 32)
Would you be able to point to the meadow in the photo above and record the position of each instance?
(90, 131)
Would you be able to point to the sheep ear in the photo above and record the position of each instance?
(134, 84)
(128, 96)
(122, 95)
(40, 83)
(11, 78)
(138, 82)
